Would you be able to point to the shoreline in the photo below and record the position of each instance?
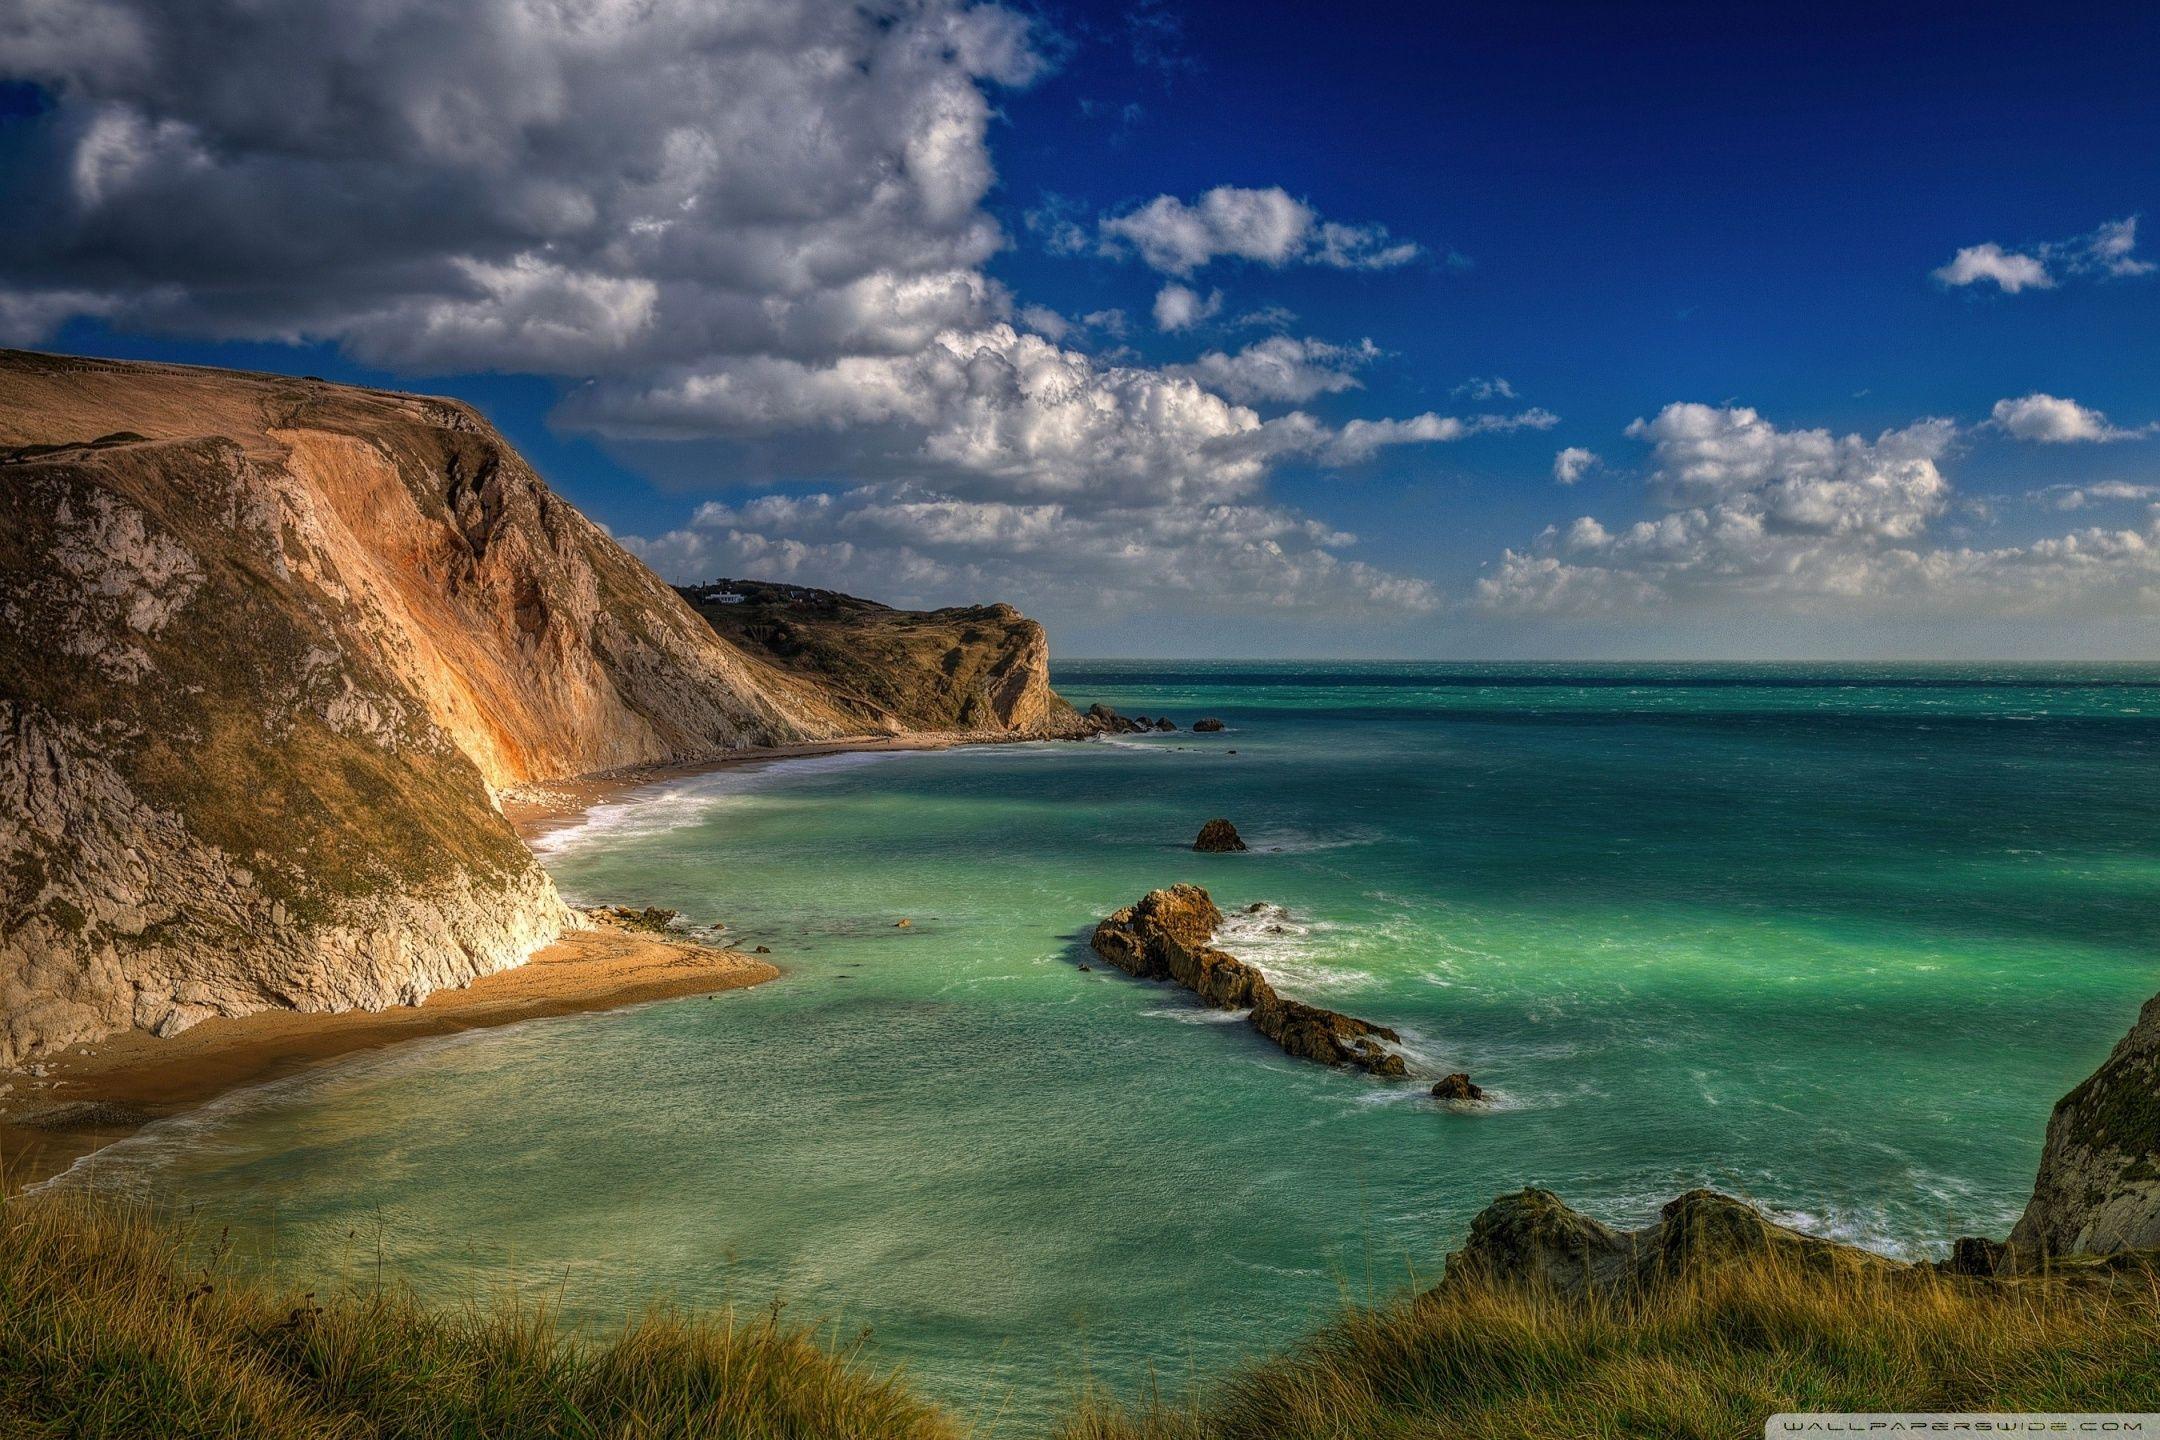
(537, 808)
(133, 1078)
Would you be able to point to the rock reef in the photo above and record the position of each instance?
(1166, 935)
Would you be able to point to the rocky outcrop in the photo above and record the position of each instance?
(976, 669)
(1166, 937)
(268, 649)
(2098, 1190)
(1218, 837)
(1532, 1238)
(1207, 726)
(1458, 1088)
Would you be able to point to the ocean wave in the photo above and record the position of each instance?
(1296, 954)
(679, 804)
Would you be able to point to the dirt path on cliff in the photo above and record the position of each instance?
(95, 1094)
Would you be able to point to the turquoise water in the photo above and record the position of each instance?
(1831, 938)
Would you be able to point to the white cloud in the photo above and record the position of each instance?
(1360, 438)
(2006, 268)
(1804, 521)
(1484, 388)
(2104, 492)
(2052, 420)
(1571, 464)
(1282, 368)
(920, 546)
(2107, 251)
(743, 223)
(1180, 307)
(1268, 227)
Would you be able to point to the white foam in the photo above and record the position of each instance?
(677, 804)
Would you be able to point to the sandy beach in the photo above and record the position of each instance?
(114, 1086)
(94, 1094)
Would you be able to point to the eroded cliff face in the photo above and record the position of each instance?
(979, 669)
(2098, 1191)
(268, 647)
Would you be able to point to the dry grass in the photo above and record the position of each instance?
(1710, 1356)
(111, 1325)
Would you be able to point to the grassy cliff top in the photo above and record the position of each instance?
(113, 1325)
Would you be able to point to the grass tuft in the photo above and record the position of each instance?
(1709, 1356)
(115, 1325)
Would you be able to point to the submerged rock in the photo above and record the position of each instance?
(1217, 837)
(1457, 1087)
(1166, 937)
(652, 918)
(86, 1115)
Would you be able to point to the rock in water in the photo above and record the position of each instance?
(1165, 937)
(1206, 727)
(1102, 720)
(1217, 837)
(1457, 1087)
(1166, 724)
(652, 918)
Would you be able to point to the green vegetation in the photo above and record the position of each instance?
(112, 1327)
(115, 1325)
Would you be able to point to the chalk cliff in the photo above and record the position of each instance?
(2098, 1191)
(268, 647)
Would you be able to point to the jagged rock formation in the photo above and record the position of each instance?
(982, 669)
(2098, 1190)
(1165, 937)
(267, 647)
(1533, 1238)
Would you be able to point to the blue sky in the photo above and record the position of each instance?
(807, 333)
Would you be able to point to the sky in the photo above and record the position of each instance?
(1532, 330)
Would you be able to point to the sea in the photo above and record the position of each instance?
(1830, 938)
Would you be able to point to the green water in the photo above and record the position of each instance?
(1833, 939)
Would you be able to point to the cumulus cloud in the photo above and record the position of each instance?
(1484, 388)
(1282, 368)
(2052, 420)
(1571, 464)
(744, 224)
(916, 545)
(1180, 307)
(536, 188)
(1268, 227)
(1749, 513)
(2108, 251)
